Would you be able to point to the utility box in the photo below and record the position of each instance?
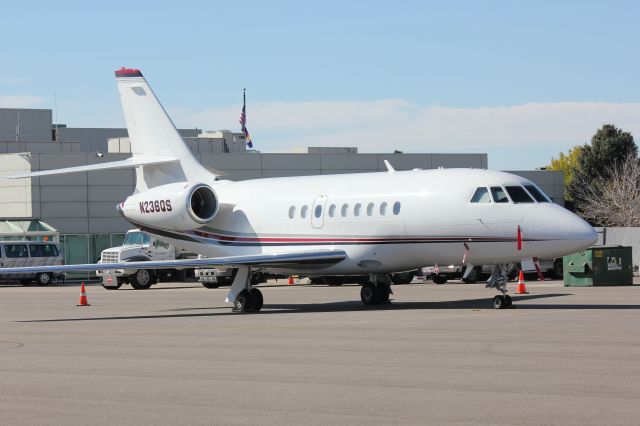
(599, 266)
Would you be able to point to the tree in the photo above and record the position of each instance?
(609, 146)
(612, 199)
(568, 164)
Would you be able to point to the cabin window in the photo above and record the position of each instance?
(370, 209)
(383, 208)
(318, 211)
(540, 196)
(303, 212)
(498, 194)
(518, 194)
(332, 210)
(481, 196)
(343, 211)
(292, 212)
(396, 208)
(356, 209)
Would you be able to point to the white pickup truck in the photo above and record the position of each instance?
(138, 246)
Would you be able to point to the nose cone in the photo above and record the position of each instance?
(582, 234)
(563, 231)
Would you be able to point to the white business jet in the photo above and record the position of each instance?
(347, 224)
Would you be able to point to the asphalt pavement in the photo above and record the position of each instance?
(438, 354)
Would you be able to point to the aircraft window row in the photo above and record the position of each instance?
(516, 194)
(345, 210)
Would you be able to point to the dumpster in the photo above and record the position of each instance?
(599, 266)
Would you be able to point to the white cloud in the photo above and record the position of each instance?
(541, 129)
(22, 101)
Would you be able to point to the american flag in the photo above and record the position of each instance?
(243, 120)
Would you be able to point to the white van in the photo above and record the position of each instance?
(30, 253)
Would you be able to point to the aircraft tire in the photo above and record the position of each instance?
(508, 300)
(383, 292)
(472, 278)
(244, 302)
(369, 295)
(499, 302)
(258, 298)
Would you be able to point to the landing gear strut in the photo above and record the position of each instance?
(243, 295)
(498, 280)
(377, 290)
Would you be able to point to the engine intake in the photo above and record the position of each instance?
(203, 203)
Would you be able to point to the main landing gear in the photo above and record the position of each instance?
(498, 279)
(243, 295)
(377, 290)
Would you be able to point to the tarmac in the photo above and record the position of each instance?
(438, 354)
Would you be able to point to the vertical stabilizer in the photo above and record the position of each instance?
(152, 133)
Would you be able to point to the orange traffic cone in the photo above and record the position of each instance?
(520, 288)
(291, 280)
(83, 297)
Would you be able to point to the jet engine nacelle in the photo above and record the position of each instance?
(176, 206)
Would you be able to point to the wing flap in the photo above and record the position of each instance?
(309, 259)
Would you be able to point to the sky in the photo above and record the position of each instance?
(520, 81)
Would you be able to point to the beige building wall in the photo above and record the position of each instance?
(16, 195)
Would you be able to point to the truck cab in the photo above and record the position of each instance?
(138, 247)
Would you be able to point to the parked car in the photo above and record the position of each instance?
(31, 253)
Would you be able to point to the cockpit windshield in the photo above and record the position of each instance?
(481, 196)
(540, 196)
(509, 193)
(498, 194)
(136, 238)
(518, 194)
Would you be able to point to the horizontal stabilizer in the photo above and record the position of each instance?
(309, 259)
(124, 164)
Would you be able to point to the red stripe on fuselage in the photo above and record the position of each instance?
(294, 240)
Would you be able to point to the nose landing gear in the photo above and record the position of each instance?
(498, 280)
(502, 301)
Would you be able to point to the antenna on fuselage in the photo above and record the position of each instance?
(390, 168)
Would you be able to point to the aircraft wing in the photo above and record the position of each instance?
(134, 161)
(308, 259)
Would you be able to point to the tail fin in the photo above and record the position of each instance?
(152, 133)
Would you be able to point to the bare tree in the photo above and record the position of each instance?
(612, 199)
